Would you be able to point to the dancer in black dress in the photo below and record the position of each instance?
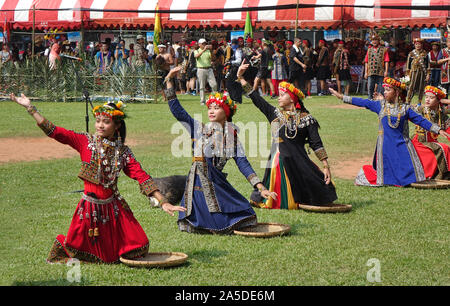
(290, 172)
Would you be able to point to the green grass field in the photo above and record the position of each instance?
(405, 229)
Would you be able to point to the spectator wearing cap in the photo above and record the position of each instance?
(205, 72)
(376, 65)
(163, 61)
(139, 55)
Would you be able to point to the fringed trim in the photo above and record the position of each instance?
(139, 252)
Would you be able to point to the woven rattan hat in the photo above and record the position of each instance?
(329, 208)
(264, 230)
(157, 260)
(432, 184)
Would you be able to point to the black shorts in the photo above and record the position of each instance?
(263, 73)
(191, 73)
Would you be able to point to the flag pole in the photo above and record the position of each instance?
(296, 21)
(33, 33)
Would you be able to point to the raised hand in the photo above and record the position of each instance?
(242, 68)
(22, 100)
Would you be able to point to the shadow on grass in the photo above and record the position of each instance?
(297, 229)
(53, 282)
(207, 256)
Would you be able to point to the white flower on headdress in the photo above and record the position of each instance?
(443, 90)
(405, 80)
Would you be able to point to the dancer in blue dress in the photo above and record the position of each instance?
(212, 204)
(395, 161)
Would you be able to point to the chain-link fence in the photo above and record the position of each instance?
(72, 79)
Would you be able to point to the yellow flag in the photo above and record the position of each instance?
(157, 30)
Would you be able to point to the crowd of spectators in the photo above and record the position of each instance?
(207, 65)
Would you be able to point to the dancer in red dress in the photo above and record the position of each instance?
(103, 227)
(435, 156)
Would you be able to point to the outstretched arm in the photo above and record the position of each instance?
(25, 102)
(75, 140)
(267, 109)
(147, 185)
(175, 107)
(424, 123)
(373, 105)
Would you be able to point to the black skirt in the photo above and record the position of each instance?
(323, 73)
(344, 75)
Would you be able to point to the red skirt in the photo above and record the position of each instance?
(101, 231)
(428, 158)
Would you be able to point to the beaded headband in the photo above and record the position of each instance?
(393, 83)
(113, 110)
(290, 88)
(438, 92)
(223, 101)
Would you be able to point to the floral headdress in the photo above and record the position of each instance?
(391, 82)
(111, 109)
(440, 93)
(223, 101)
(296, 94)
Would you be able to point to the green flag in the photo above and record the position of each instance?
(248, 31)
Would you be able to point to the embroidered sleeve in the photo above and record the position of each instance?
(47, 127)
(435, 128)
(67, 137)
(347, 99)
(253, 179)
(148, 187)
(321, 154)
(170, 94)
(133, 169)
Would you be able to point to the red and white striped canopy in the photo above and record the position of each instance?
(19, 13)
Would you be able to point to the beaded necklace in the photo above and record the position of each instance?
(291, 120)
(387, 110)
(430, 115)
(108, 161)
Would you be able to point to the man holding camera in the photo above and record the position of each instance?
(205, 72)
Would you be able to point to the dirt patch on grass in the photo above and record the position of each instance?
(349, 168)
(19, 149)
(344, 106)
